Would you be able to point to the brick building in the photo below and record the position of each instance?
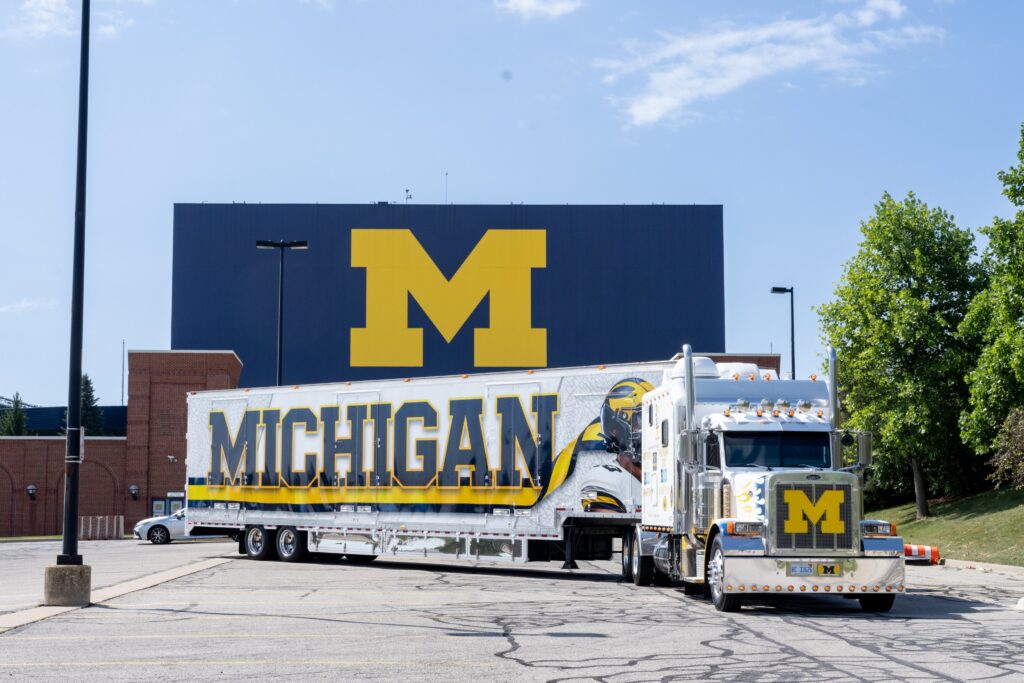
(151, 456)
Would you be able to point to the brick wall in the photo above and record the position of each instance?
(158, 383)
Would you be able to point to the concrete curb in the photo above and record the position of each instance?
(28, 616)
(1010, 569)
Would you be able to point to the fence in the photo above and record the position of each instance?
(101, 528)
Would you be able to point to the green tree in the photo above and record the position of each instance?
(14, 420)
(893, 322)
(1009, 458)
(996, 320)
(92, 414)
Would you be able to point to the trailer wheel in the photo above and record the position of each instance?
(259, 543)
(876, 603)
(724, 602)
(627, 556)
(643, 567)
(360, 559)
(291, 544)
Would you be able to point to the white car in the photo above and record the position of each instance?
(160, 530)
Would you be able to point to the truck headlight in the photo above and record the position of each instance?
(870, 528)
(745, 528)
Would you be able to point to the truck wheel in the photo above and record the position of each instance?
(627, 556)
(159, 535)
(259, 543)
(876, 603)
(360, 559)
(724, 602)
(291, 544)
(643, 567)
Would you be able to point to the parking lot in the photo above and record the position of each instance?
(401, 620)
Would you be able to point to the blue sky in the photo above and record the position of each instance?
(795, 116)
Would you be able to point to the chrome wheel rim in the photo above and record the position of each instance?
(255, 541)
(159, 535)
(287, 542)
(716, 574)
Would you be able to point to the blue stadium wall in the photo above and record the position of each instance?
(606, 284)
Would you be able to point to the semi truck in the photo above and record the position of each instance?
(718, 476)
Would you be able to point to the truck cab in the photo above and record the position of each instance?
(750, 486)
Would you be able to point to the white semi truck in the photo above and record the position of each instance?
(719, 476)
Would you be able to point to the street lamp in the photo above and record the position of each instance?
(792, 329)
(281, 246)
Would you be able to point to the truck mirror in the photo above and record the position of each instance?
(864, 448)
(847, 439)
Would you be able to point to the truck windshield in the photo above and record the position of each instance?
(777, 450)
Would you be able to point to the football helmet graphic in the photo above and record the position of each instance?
(620, 415)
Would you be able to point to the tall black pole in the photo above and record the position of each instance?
(280, 312)
(73, 457)
(792, 334)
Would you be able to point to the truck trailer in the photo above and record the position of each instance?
(719, 476)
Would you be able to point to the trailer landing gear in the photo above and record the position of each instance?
(572, 534)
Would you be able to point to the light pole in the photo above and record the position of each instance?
(281, 246)
(69, 582)
(792, 328)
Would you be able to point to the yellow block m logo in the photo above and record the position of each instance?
(802, 509)
(397, 265)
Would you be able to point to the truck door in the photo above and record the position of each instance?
(659, 468)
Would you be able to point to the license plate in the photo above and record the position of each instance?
(829, 569)
(801, 569)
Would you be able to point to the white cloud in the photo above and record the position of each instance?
(41, 18)
(680, 70)
(539, 9)
(111, 24)
(23, 305)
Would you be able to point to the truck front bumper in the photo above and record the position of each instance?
(841, 575)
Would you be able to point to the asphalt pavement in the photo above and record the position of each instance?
(402, 620)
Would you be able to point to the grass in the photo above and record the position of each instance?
(988, 527)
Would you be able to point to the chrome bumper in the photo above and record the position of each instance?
(758, 575)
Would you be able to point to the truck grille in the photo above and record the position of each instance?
(818, 522)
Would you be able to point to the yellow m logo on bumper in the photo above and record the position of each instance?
(800, 509)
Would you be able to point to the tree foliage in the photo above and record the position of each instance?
(14, 420)
(1009, 458)
(92, 414)
(893, 322)
(996, 321)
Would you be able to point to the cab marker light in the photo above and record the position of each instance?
(752, 377)
(828, 589)
(803, 589)
(767, 377)
(790, 589)
(863, 589)
(766, 589)
(792, 413)
(742, 588)
(839, 589)
(760, 412)
(814, 377)
(736, 376)
(753, 588)
(821, 413)
(775, 413)
(888, 589)
(778, 588)
(726, 412)
(744, 528)
(728, 588)
(876, 589)
(814, 588)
